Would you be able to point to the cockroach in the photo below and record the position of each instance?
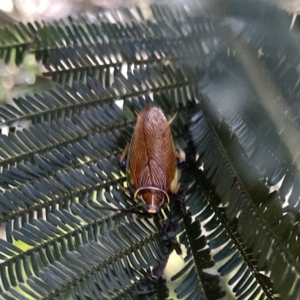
(151, 165)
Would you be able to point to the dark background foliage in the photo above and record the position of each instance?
(230, 72)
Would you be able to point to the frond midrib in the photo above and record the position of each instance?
(206, 189)
(116, 256)
(118, 64)
(85, 136)
(100, 220)
(247, 196)
(194, 250)
(107, 99)
(44, 204)
(16, 45)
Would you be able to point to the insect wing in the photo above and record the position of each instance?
(151, 158)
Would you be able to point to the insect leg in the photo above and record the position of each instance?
(177, 187)
(173, 241)
(122, 161)
(121, 187)
(172, 119)
(180, 163)
(122, 164)
(159, 269)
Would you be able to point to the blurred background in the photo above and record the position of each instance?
(18, 80)
(15, 81)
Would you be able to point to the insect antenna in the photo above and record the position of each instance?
(134, 210)
(131, 210)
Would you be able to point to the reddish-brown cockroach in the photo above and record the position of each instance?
(151, 160)
(151, 165)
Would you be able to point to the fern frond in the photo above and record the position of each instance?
(91, 126)
(245, 196)
(224, 240)
(106, 264)
(285, 76)
(98, 60)
(78, 168)
(263, 144)
(262, 25)
(16, 40)
(198, 280)
(86, 31)
(64, 102)
(197, 283)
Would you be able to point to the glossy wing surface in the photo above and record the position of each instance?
(151, 158)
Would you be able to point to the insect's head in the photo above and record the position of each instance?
(153, 198)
